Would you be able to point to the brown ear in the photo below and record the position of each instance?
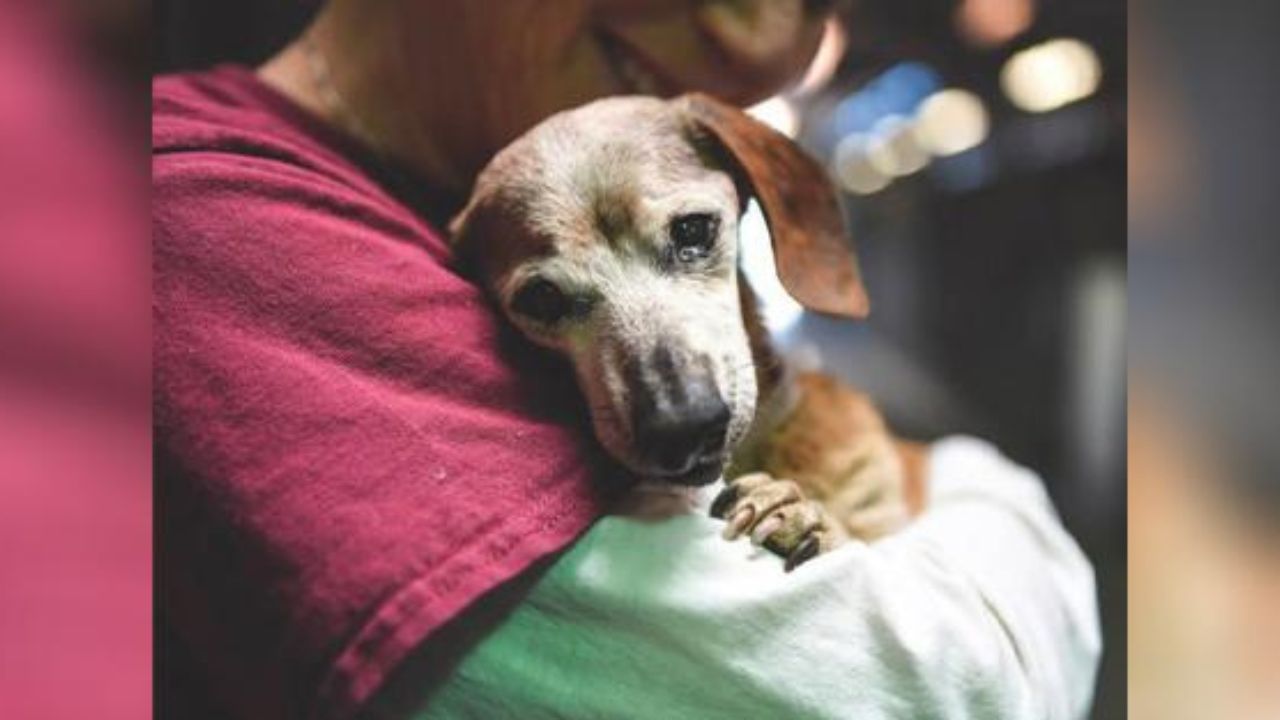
(814, 255)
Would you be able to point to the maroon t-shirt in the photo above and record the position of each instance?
(351, 447)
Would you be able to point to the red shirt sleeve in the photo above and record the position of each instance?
(350, 447)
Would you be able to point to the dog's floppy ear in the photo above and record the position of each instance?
(811, 248)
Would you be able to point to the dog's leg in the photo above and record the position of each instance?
(820, 452)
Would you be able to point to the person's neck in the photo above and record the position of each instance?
(348, 70)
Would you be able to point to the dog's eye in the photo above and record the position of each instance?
(693, 236)
(543, 302)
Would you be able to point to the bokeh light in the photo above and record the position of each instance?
(1052, 74)
(987, 23)
(898, 90)
(951, 121)
(854, 170)
(893, 148)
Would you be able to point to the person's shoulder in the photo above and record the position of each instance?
(182, 93)
(207, 109)
(234, 158)
(224, 132)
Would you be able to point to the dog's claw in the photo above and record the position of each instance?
(807, 549)
(727, 497)
(738, 522)
(767, 527)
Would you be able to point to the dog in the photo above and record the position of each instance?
(608, 234)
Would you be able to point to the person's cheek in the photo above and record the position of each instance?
(740, 50)
(540, 60)
(766, 42)
(755, 33)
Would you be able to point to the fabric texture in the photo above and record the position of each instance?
(983, 608)
(350, 447)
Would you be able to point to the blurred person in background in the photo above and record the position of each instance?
(349, 452)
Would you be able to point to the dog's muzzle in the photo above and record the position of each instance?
(679, 419)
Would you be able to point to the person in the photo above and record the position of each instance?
(373, 498)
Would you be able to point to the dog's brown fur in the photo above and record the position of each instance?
(831, 440)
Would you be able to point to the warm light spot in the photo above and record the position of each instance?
(854, 170)
(892, 148)
(988, 23)
(951, 121)
(1052, 74)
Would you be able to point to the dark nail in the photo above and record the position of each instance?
(727, 497)
(804, 552)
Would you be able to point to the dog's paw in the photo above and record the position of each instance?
(777, 515)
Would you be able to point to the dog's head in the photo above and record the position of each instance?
(608, 233)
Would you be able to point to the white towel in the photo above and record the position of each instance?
(983, 608)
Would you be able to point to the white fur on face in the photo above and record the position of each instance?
(597, 188)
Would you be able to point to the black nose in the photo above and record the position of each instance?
(676, 439)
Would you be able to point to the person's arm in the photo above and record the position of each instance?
(993, 524)
(983, 607)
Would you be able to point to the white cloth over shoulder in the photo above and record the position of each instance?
(982, 608)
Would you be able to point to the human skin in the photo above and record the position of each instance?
(442, 85)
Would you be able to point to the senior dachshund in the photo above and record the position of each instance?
(608, 233)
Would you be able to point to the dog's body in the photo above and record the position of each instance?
(608, 234)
